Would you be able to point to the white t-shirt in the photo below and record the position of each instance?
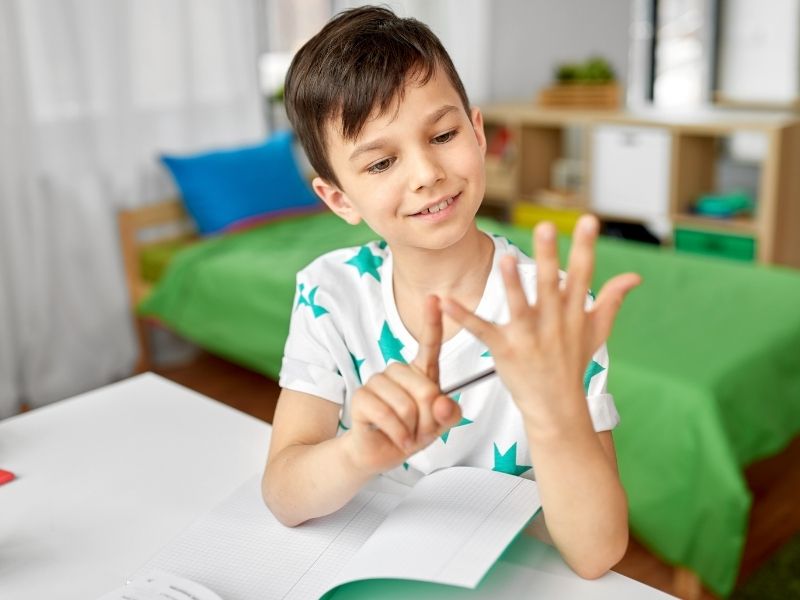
(345, 328)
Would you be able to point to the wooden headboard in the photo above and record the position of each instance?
(138, 228)
(144, 226)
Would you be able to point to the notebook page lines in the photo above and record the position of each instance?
(320, 573)
(241, 551)
(458, 516)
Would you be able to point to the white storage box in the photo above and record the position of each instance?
(631, 173)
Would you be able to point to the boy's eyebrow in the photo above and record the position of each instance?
(436, 116)
(380, 142)
(373, 145)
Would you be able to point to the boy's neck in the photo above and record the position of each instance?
(460, 270)
(443, 272)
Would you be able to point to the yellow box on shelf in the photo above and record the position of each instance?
(526, 214)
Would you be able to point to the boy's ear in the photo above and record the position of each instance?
(336, 200)
(477, 124)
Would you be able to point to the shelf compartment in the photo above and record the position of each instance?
(543, 146)
(500, 178)
(746, 226)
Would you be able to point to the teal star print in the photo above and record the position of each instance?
(342, 425)
(382, 244)
(593, 369)
(405, 466)
(500, 237)
(366, 263)
(486, 354)
(303, 301)
(357, 362)
(390, 346)
(507, 462)
(463, 421)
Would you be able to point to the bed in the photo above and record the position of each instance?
(705, 360)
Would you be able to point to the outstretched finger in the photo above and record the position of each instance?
(515, 295)
(548, 296)
(581, 265)
(427, 359)
(481, 329)
(607, 305)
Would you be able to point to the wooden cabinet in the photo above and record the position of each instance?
(669, 162)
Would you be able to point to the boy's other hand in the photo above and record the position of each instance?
(402, 410)
(542, 352)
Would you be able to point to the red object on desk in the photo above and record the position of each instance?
(5, 476)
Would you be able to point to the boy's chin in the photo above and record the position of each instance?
(438, 240)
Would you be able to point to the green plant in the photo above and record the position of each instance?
(595, 70)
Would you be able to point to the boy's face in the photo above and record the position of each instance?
(416, 177)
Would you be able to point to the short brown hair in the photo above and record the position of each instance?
(361, 60)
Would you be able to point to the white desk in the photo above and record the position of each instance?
(104, 480)
(107, 478)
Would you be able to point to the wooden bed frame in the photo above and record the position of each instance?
(138, 229)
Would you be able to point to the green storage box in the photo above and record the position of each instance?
(712, 243)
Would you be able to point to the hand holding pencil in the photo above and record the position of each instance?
(398, 412)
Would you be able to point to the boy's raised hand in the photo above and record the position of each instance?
(542, 352)
(402, 410)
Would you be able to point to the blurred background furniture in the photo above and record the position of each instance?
(649, 167)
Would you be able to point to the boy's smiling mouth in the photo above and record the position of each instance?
(438, 209)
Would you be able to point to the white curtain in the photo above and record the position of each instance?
(90, 92)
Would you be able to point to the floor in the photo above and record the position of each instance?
(775, 482)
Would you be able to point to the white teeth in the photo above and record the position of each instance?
(437, 207)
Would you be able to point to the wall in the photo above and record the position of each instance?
(759, 58)
(529, 37)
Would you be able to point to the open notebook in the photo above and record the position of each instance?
(450, 528)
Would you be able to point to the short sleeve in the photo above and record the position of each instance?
(309, 364)
(601, 404)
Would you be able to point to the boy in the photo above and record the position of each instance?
(384, 118)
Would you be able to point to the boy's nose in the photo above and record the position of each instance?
(425, 171)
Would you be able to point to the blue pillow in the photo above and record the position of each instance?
(228, 189)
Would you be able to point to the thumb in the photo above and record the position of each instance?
(608, 303)
(446, 411)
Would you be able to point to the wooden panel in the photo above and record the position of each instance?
(784, 235)
(539, 148)
(590, 97)
(131, 224)
(150, 215)
(736, 225)
(767, 199)
(701, 122)
(694, 166)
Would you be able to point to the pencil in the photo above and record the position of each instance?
(469, 382)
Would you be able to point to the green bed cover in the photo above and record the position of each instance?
(705, 365)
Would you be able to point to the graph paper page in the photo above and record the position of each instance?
(451, 528)
(242, 552)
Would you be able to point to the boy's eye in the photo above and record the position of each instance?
(380, 166)
(445, 137)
